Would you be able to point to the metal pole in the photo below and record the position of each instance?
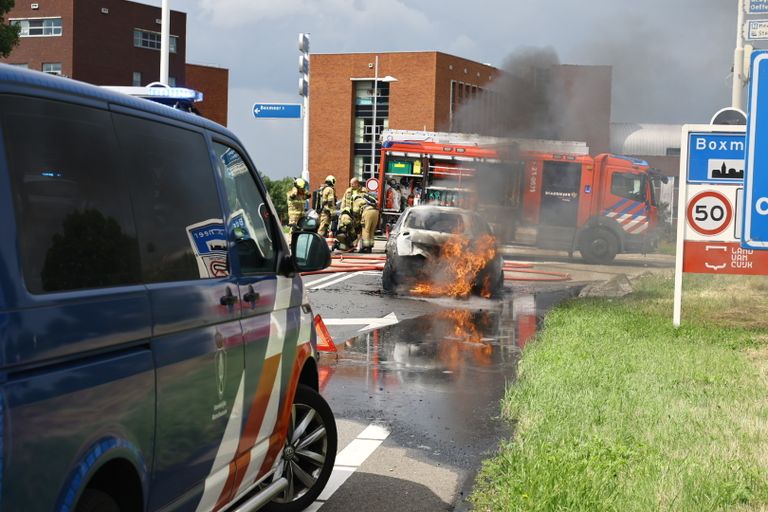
(737, 96)
(373, 128)
(682, 193)
(165, 41)
(305, 160)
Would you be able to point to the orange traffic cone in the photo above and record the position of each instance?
(330, 239)
(324, 340)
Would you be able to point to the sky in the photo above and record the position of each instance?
(671, 59)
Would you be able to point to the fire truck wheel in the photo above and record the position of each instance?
(598, 245)
(388, 277)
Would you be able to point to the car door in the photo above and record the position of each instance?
(271, 314)
(196, 333)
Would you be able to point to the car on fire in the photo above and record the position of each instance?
(437, 250)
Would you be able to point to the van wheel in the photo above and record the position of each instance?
(94, 500)
(309, 452)
(598, 245)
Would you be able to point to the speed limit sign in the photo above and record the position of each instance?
(709, 213)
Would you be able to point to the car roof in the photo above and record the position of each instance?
(17, 80)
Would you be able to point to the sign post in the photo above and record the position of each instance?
(709, 205)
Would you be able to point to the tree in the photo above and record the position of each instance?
(277, 190)
(9, 34)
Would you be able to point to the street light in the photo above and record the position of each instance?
(165, 41)
(387, 79)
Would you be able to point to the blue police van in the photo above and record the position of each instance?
(157, 351)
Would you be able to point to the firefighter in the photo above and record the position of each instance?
(366, 218)
(297, 203)
(354, 188)
(346, 233)
(327, 205)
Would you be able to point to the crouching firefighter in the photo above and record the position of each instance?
(346, 231)
(366, 218)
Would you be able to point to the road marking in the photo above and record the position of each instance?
(335, 281)
(322, 279)
(349, 460)
(368, 323)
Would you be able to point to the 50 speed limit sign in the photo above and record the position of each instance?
(709, 213)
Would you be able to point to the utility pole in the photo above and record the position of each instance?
(165, 41)
(304, 92)
(737, 94)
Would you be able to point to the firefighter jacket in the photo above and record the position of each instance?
(361, 202)
(346, 201)
(328, 200)
(296, 205)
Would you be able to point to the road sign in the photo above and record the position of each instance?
(757, 30)
(709, 213)
(715, 157)
(277, 110)
(755, 230)
(757, 6)
(372, 184)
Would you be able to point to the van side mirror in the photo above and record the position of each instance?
(310, 252)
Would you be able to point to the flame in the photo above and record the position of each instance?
(455, 269)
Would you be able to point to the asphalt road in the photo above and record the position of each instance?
(416, 383)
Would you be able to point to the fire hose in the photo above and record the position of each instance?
(364, 263)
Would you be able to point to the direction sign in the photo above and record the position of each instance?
(757, 6)
(715, 157)
(709, 213)
(755, 230)
(757, 30)
(277, 110)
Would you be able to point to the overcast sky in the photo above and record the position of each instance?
(671, 58)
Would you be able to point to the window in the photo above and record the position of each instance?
(172, 81)
(629, 185)
(136, 80)
(52, 68)
(72, 209)
(151, 40)
(178, 215)
(36, 27)
(250, 226)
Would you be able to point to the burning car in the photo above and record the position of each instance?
(442, 251)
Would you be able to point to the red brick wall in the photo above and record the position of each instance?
(450, 68)
(98, 48)
(214, 84)
(34, 51)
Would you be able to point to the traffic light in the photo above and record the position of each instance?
(304, 65)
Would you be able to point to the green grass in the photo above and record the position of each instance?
(616, 410)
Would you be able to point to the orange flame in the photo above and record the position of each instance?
(454, 271)
(468, 338)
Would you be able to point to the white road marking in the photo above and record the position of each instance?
(349, 460)
(369, 323)
(322, 279)
(343, 277)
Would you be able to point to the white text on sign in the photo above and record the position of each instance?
(719, 145)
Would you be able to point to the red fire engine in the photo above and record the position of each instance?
(550, 194)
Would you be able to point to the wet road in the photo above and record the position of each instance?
(415, 387)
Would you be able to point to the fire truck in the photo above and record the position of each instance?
(550, 194)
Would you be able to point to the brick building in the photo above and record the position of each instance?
(423, 91)
(111, 42)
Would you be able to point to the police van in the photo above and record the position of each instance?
(157, 350)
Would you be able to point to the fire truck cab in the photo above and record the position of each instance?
(562, 199)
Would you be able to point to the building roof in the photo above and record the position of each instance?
(645, 139)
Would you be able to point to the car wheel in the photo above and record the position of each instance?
(598, 245)
(94, 500)
(309, 452)
(388, 277)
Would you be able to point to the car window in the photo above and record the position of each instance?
(175, 201)
(250, 225)
(72, 209)
(629, 185)
(443, 222)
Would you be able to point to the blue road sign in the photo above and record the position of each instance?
(755, 223)
(716, 157)
(277, 110)
(757, 6)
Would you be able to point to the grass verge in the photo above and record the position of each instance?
(616, 410)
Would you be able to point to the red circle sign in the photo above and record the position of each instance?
(709, 213)
(372, 184)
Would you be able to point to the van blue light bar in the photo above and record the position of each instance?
(160, 93)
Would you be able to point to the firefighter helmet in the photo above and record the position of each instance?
(299, 183)
(331, 179)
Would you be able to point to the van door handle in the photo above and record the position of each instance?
(228, 299)
(251, 295)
